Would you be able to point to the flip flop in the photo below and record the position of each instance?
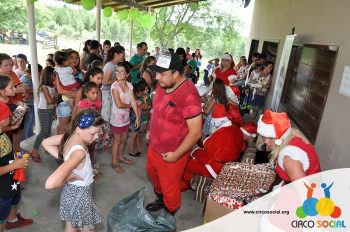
(116, 167)
(135, 154)
(36, 159)
(138, 153)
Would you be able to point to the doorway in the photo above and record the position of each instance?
(306, 87)
(254, 45)
(270, 50)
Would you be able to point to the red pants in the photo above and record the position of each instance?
(195, 168)
(166, 177)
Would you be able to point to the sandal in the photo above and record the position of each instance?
(135, 154)
(36, 159)
(138, 153)
(96, 172)
(118, 168)
(125, 161)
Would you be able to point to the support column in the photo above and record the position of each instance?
(98, 20)
(34, 61)
(130, 37)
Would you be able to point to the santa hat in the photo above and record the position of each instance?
(227, 56)
(233, 93)
(219, 112)
(249, 129)
(274, 125)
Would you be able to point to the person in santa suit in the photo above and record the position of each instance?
(295, 156)
(249, 130)
(234, 114)
(225, 72)
(225, 144)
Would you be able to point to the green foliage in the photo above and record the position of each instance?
(13, 15)
(195, 25)
(64, 21)
(115, 30)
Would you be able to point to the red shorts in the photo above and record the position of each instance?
(120, 129)
(72, 87)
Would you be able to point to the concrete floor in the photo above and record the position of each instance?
(108, 189)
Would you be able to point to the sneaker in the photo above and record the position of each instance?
(156, 205)
(20, 223)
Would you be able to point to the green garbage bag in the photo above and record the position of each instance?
(130, 215)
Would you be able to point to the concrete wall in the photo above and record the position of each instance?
(317, 22)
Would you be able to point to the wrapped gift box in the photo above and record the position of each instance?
(236, 185)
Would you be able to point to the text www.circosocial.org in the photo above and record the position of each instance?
(286, 212)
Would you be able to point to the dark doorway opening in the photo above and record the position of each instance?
(270, 50)
(306, 87)
(254, 45)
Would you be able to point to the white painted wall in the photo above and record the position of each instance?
(323, 22)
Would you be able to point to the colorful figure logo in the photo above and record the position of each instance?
(313, 206)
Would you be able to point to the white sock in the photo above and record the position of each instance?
(14, 220)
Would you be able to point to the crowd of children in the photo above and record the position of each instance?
(72, 94)
(96, 104)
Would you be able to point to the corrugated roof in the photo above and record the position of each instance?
(118, 5)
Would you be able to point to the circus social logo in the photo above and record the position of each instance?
(323, 206)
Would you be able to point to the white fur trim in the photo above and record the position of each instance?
(266, 130)
(247, 133)
(294, 153)
(232, 77)
(231, 95)
(211, 171)
(197, 148)
(226, 57)
(279, 141)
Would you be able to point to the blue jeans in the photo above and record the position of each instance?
(64, 110)
(29, 120)
(6, 204)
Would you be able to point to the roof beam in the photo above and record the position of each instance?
(146, 2)
(132, 3)
(143, 5)
(176, 2)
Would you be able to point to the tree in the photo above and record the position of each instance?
(171, 21)
(13, 15)
(198, 25)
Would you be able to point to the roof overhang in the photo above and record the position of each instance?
(143, 5)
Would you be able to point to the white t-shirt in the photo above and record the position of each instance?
(121, 117)
(66, 75)
(42, 100)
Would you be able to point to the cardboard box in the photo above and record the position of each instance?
(214, 210)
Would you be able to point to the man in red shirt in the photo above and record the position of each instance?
(176, 125)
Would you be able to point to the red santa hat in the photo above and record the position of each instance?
(219, 112)
(233, 93)
(274, 125)
(249, 129)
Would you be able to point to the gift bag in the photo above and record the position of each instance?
(18, 113)
(129, 215)
(105, 140)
